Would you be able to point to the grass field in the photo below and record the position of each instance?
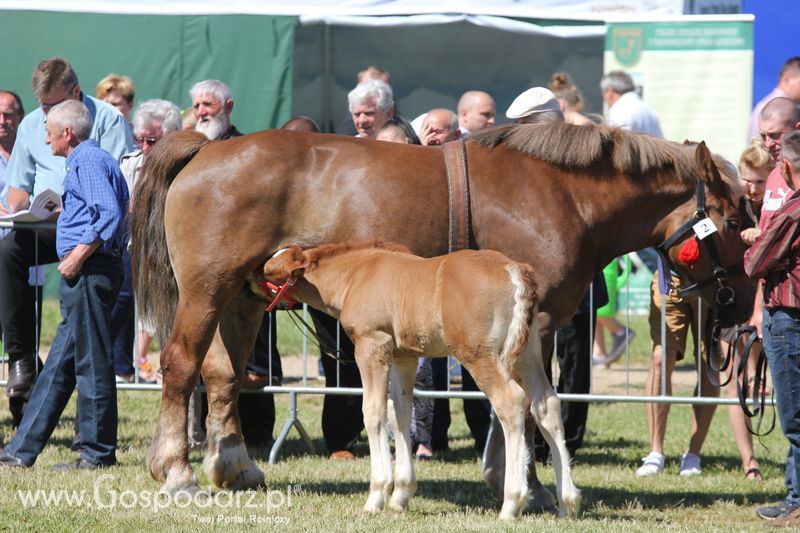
(312, 493)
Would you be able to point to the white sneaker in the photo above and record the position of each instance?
(690, 465)
(652, 465)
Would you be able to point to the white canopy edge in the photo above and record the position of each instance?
(582, 10)
(498, 23)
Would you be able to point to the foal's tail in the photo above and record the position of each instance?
(153, 279)
(525, 305)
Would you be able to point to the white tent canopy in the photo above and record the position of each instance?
(586, 10)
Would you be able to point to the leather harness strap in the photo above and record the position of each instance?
(455, 162)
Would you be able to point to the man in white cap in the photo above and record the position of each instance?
(537, 104)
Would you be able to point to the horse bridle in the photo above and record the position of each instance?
(724, 295)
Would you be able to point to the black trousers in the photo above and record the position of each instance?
(20, 250)
(477, 412)
(342, 418)
(572, 347)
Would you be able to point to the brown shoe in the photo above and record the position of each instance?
(790, 519)
(343, 455)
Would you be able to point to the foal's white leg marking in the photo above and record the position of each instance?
(401, 388)
(508, 399)
(375, 381)
(546, 409)
(515, 487)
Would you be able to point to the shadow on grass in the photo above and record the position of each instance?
(462, 493)
(623, 499)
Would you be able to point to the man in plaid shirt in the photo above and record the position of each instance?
(91, 234)
(774, 258)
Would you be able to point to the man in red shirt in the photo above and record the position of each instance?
(779, 117)
(773, 258)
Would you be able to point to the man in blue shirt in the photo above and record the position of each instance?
(92, 232)
(33, 168)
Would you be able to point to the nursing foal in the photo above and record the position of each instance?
(396, 307)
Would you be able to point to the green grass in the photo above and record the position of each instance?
(328, 495)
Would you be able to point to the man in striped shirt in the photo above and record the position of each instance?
(773, 258)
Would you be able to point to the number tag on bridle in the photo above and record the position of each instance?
(704, 228)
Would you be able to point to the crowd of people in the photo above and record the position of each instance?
(90, 150)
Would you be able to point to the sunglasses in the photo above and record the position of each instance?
(149, 140)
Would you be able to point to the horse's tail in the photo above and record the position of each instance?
(153, 279)
(524, 314)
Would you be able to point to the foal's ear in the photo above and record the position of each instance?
(284, 265)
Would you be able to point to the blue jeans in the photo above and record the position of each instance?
(781, 330)
(80, 356)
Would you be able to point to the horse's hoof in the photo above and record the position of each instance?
(249, 478)
(189, 493)
(541, 501)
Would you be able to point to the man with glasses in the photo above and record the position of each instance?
(32, 169)
(152, 119)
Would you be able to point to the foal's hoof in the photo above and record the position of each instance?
(372, 509)
(375, 503)
(571, 506)
(399, 501)
(541, 501)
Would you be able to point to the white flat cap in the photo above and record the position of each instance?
(534, 100)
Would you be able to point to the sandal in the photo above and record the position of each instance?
(755, 473)
(766, 391)
(146, 373)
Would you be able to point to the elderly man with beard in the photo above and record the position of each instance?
(212, 103)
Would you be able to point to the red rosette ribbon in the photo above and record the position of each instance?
(689, 252)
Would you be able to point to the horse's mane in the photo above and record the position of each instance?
(314, 255)
(583, 147)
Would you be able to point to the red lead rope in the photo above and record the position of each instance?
(280, 292)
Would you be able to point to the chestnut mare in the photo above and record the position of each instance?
(567, 199)
(396, 307)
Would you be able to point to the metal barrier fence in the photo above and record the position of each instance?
(633, 296)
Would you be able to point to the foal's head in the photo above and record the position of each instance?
(285, 264)
(293, 261)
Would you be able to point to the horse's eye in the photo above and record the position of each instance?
(732, 223)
